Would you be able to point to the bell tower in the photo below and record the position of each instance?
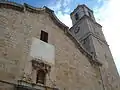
(85, 28)
(89, 33)
(79, 12)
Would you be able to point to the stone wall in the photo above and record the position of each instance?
(72, 69)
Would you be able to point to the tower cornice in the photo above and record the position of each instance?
(90, 33)
(83, 18)
(83, 5)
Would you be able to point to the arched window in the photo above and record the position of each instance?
(40, 77)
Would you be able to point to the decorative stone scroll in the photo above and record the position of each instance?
(38, 64)
(26, 77)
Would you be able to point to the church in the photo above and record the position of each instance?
(39, 52)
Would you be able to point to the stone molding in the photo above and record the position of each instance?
(96, 36)
(26, 85)
(83, 18)
(11, 5)
(83, 5)
(23, 84)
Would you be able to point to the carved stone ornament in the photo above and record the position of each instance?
(38, 64)
(26, 77)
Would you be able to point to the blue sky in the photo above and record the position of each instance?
(107, 13)
(61, 4)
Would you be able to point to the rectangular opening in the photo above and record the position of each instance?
(40, 77)
(44, 36)
(76, 16)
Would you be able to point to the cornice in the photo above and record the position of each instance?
(11, 5)
(32, 9)
(29, 8)
(83, 5)
(96, 36)
(83, 18)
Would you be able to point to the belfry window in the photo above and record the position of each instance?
(89, 14)
(76, 16)
(44, 36)
(40, 77)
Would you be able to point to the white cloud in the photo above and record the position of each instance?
(56, 6)
(61, 11)
(66, 2)
(66, 10)
(65, 18)
(59, 4)
(109, 16)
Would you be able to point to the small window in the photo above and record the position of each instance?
(44, 36)
(40, 77)
(76, 16)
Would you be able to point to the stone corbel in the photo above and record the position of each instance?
(26, 77)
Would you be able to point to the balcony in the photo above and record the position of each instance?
(22, 85)
(31, 86)
(42, 51)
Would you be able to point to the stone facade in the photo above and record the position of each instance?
(74, 69)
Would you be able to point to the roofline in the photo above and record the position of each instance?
(27, 7)
(55, 19)
(83, 5)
